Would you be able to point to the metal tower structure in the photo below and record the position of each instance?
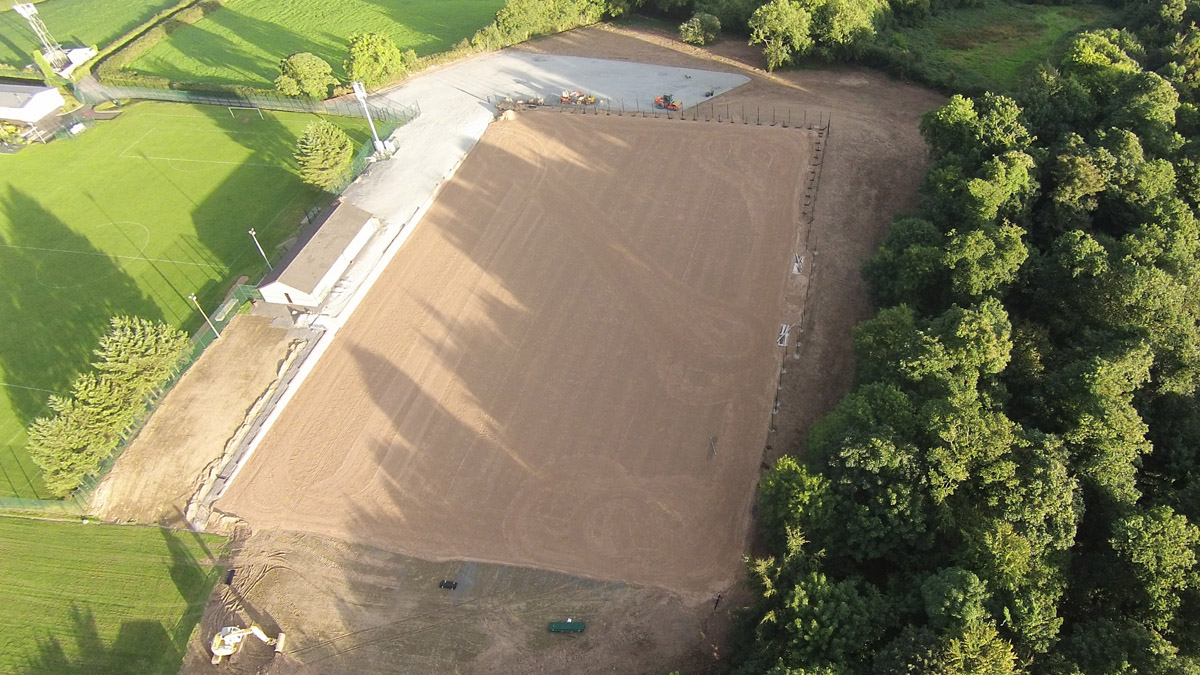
(50, 48)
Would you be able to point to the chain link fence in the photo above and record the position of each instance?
(707, 111)
(93, 92)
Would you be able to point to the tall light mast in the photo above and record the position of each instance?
(50, 48)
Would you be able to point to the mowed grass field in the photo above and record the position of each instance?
(101, 598)
(130, 218)
(244, 41)
(74, 23)
(995, 45)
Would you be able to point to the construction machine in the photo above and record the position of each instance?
(577, 98)
(229, 639)
(667, 102)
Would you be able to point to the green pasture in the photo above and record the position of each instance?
(131, 217)
(74, 23)
(243, 41)
(101, 598)
(995, 45)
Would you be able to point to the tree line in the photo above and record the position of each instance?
(136, 358)
(1013, 485)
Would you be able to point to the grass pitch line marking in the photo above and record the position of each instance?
(21, 386)
(231, 108)
(134, 144)
(201, 161)
(111, 255)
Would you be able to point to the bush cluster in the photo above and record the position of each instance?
(701, 29)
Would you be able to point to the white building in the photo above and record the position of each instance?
(28, 103)
(306, 274)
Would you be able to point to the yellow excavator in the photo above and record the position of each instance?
(229, 639)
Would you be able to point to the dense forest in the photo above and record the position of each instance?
(1013, 485)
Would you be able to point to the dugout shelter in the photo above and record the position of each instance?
(304, 277)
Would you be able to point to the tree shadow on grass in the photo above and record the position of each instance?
(142, 648)
(264, 192)
(57, 296)
(230, 62)
(13, 25)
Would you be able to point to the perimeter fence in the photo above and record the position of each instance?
(722, 113)
(93, 92)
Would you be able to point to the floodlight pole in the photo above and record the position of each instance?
(196, 302)
(360, 93)
(254, 236)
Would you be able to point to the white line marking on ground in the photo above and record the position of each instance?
(20, 386)
(111, 255)
(203, 161)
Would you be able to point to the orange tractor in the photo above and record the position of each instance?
(667, 102)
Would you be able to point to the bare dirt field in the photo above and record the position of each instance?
(154, 478)
(875, 162)
(355, 609)
(536, 377)
(465, 370)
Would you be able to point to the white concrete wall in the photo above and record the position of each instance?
(278, 293)
(42, 104)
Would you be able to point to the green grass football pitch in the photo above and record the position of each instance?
(244, 41)
(101, 598)
(129, 218)
(74, 23)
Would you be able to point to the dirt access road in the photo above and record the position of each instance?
(346, 606)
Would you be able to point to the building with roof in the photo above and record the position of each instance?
(28, 103)
(309, 271)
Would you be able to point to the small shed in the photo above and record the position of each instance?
(308, 272)
(28, 103)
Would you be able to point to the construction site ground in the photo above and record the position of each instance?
(555, 373)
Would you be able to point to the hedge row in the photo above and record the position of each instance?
(111, 68)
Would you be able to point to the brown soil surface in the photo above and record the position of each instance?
(536, 377)
(353, 608)
(157, 474)
(875, 162)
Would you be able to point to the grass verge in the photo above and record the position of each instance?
(101, 598)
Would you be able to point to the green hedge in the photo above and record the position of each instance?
(111, 67)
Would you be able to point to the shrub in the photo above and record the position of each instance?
(305, 74)
(701, 29)
(324, 153)
(374, 59)
(782, 27)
